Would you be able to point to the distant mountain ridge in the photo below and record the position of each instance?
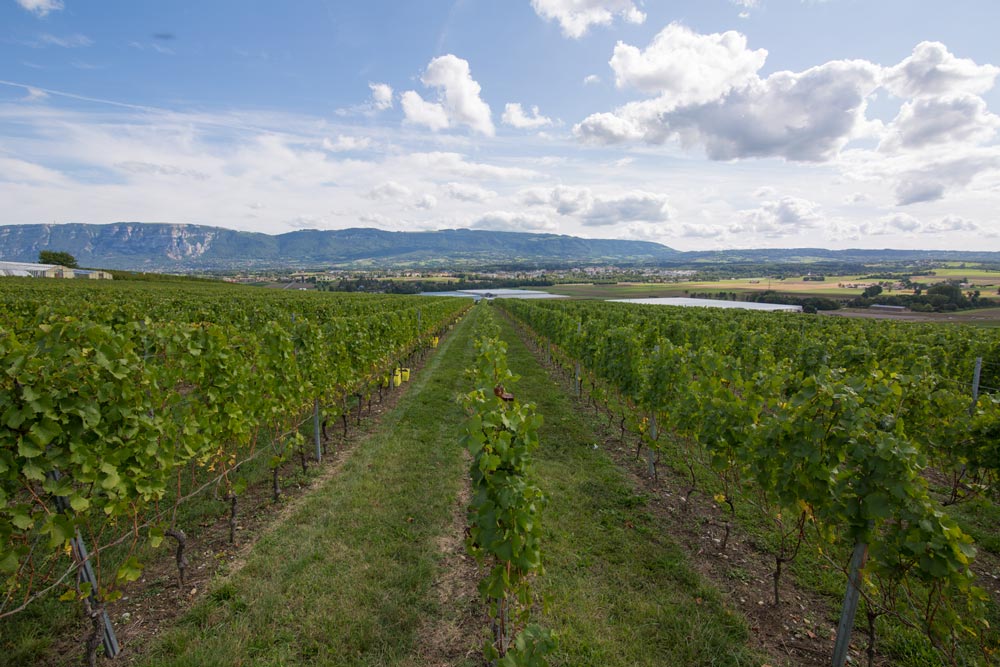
(185, 247)
(141, 246)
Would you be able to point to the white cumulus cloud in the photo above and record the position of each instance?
(421, 112)
(904, 223)
(381, 96)
(389, 190)
(927, 121)
(597, 210)
(951, 223)
(894, 223)
(800, 116)
(932, 180)
(686, 67)
(467, 192)
(576, 16)
(631, 207)
(514, 116)
(705, 91)
(933, 70)
(611, 128)
(570, 201)
(458, 102)
(776, 218)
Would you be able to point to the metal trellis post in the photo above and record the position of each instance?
(319, 444)
(975, 384)
(86, 574)
(850, 608)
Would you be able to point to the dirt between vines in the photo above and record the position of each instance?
(799, 631)
(156, 600)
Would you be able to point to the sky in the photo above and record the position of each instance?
(701, 124)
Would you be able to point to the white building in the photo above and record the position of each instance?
(712, 303)
(28, 270)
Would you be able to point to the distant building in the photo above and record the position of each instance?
(87, 274)
(891, 309)
(712, 303)
(28, 270)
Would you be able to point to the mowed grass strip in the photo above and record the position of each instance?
(618, 590)
(346, 579)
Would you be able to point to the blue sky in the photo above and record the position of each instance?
(699, 124)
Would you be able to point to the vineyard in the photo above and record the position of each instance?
(119, 405)
(825, 431)
(854, 457)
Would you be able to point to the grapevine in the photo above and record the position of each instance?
(505, 512)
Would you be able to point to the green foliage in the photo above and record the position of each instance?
(817, 424)
(872, 291)
(505, 512)
(57, 257)
(531, 647)
(941, 297)
(109, 396)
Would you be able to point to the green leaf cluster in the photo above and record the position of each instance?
(108, 396)
(504, 515)
(823, 423)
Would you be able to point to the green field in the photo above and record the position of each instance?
(793, 286)
(977, 276)
(986, 317)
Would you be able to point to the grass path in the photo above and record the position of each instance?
(346, 579)
(353, 576)
(619, 590)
